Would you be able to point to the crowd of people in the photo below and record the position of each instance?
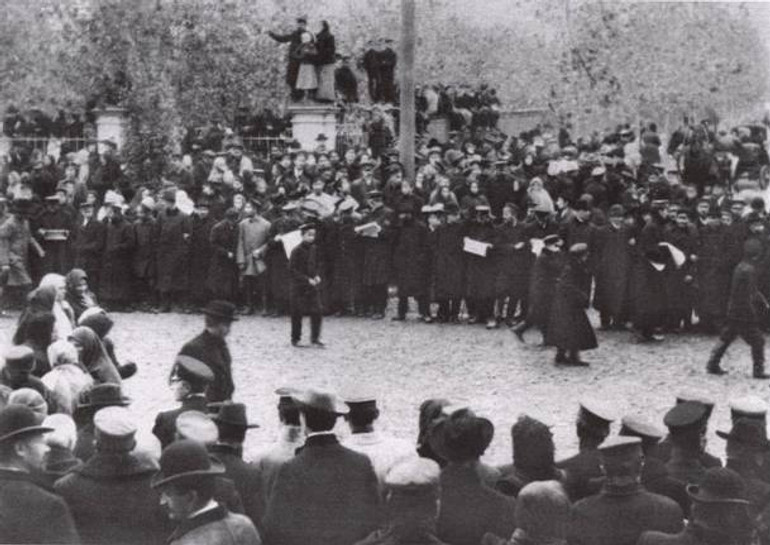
(75, 467)
(462, 105)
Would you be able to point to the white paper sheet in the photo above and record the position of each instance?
(475, 247)
(290, 241)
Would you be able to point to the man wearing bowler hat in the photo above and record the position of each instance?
(210, 348)
(720, 514)
(111, 491)
(327, 494)
(623, 509)
(189, 380)
(232, 426)
(30, 512)
(187, 481)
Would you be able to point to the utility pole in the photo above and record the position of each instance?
(406, 69)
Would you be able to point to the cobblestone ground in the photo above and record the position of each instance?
(407, 362)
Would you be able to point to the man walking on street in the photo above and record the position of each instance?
(305, 287)
(742, 315)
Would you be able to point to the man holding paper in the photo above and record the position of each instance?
(481, 267)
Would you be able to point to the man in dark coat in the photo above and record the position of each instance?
(720, 514)
(680, 280)
(515, 260)
(210, 347)
(31, 513)
(411, 263)
(742, 316)
(449, 265)
(712, 274)
(88, 244)
(583, 470)
(345, 81)
(115, 281)
(222, 278)
(377, 257)
(623, 509)
(111, 491)
(97, 398)
(686, 427)
(310, 500)
(481, 270)
(53, 229)
(304, 266)
(412, 505)
(189, 380)
(569, 329)
(347, 261)
(294, 39)
(143, 260)
(277, 261)
(172, 258)
(232, 426)
(201, 254)
(468, 508)
(613, 261)
(649, 276)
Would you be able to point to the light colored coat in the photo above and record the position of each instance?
(253, 234)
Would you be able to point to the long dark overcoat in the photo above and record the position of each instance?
(542, 286)
(449, 262)
(213, 351)
(411, 260)
(304, 265)
(377, 251)
(569, 328)
(174, 231)
(514, 264)
(481, 271)
(612, 261)
(222, 278)
(200, 253)
(115, 278)
(145, 244)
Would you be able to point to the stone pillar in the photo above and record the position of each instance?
(112, 125)
(310, 120)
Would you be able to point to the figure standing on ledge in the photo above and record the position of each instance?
(326, 54)
(294, 39)
(307, 79)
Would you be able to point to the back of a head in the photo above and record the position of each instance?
(533, 445)
(32, 399)
(288, 411)
(318, 420)
(65, 433)
(542, 511)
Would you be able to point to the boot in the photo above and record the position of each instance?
(574, 359)
(561, 357)
(759, 370)
(713, 367)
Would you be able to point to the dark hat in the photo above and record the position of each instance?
(186, 460)
(169, 195)
(753, 217)
(748, 432)
(20, 358)
(115, 429)
(17, 421)
(321, 401)
(551, 239)
(581, 206)
(321, 138)
(375, 194)
(194, 371)
(221, 309)
(234, 143)
(461, 436)
(633, 426)
(701, 397)
(413, 476)
(719, 485)
(307, 227)
(302, 19)
(684, 416)
(748, 407)
(104, 395)
(621, 446)
(232, 414)
(451, 208)
(616, 211)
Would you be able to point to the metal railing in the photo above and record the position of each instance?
(264, 145)
(48, 146)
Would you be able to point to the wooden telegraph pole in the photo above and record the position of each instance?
(406, 67)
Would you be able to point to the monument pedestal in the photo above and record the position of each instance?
(112, 125)
(310, 120)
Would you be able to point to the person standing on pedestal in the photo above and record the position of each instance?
(326, 54)
(307, 79)
(295, 40)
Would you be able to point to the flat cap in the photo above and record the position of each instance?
(197, 426)
(192, 370)
(597, 409)
(20, 358)
(115, 422)
(685, 415)
(748, 407)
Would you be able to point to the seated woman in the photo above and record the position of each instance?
(97, 319)
(78, 294)
(68, 378)
(93, 356)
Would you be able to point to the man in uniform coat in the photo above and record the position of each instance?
(623, 509)
(29, 512)
(686, 422)
(742, 315)
(583, 470)
(110, 495)
(412, 505)
(189, 380)
(187, 482)
(327, 494)
(720, 514)
(57, 216)
(468, 507)
(232, 426)
(305, 296)
(88, 244)
(174, 232)
(210, 347)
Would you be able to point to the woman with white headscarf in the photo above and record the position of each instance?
(62, 310)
